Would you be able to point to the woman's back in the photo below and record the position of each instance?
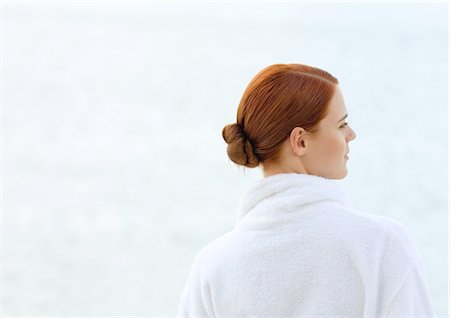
(300, 249)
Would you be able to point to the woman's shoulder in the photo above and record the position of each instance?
(399, 232)
(214, 250)
(370, 220)
(390, 224)
(379, 229)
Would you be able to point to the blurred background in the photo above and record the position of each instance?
(115, 173)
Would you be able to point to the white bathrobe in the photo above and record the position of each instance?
(300, 249)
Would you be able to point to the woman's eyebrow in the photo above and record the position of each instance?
(343, 117)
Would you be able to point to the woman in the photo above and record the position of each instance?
(299, 248)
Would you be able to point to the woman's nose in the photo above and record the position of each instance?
(352, 134)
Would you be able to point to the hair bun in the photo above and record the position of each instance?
(240, 149)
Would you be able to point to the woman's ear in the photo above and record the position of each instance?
(297, 140)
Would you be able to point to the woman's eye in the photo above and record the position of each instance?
(345, 124)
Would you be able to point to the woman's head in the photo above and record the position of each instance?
(288, 121)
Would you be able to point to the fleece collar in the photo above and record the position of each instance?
(287, 192)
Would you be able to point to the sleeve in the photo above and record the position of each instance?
(412, 299)
(195, 299)
(404, 279)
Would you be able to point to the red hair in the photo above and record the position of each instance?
(279, 98)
